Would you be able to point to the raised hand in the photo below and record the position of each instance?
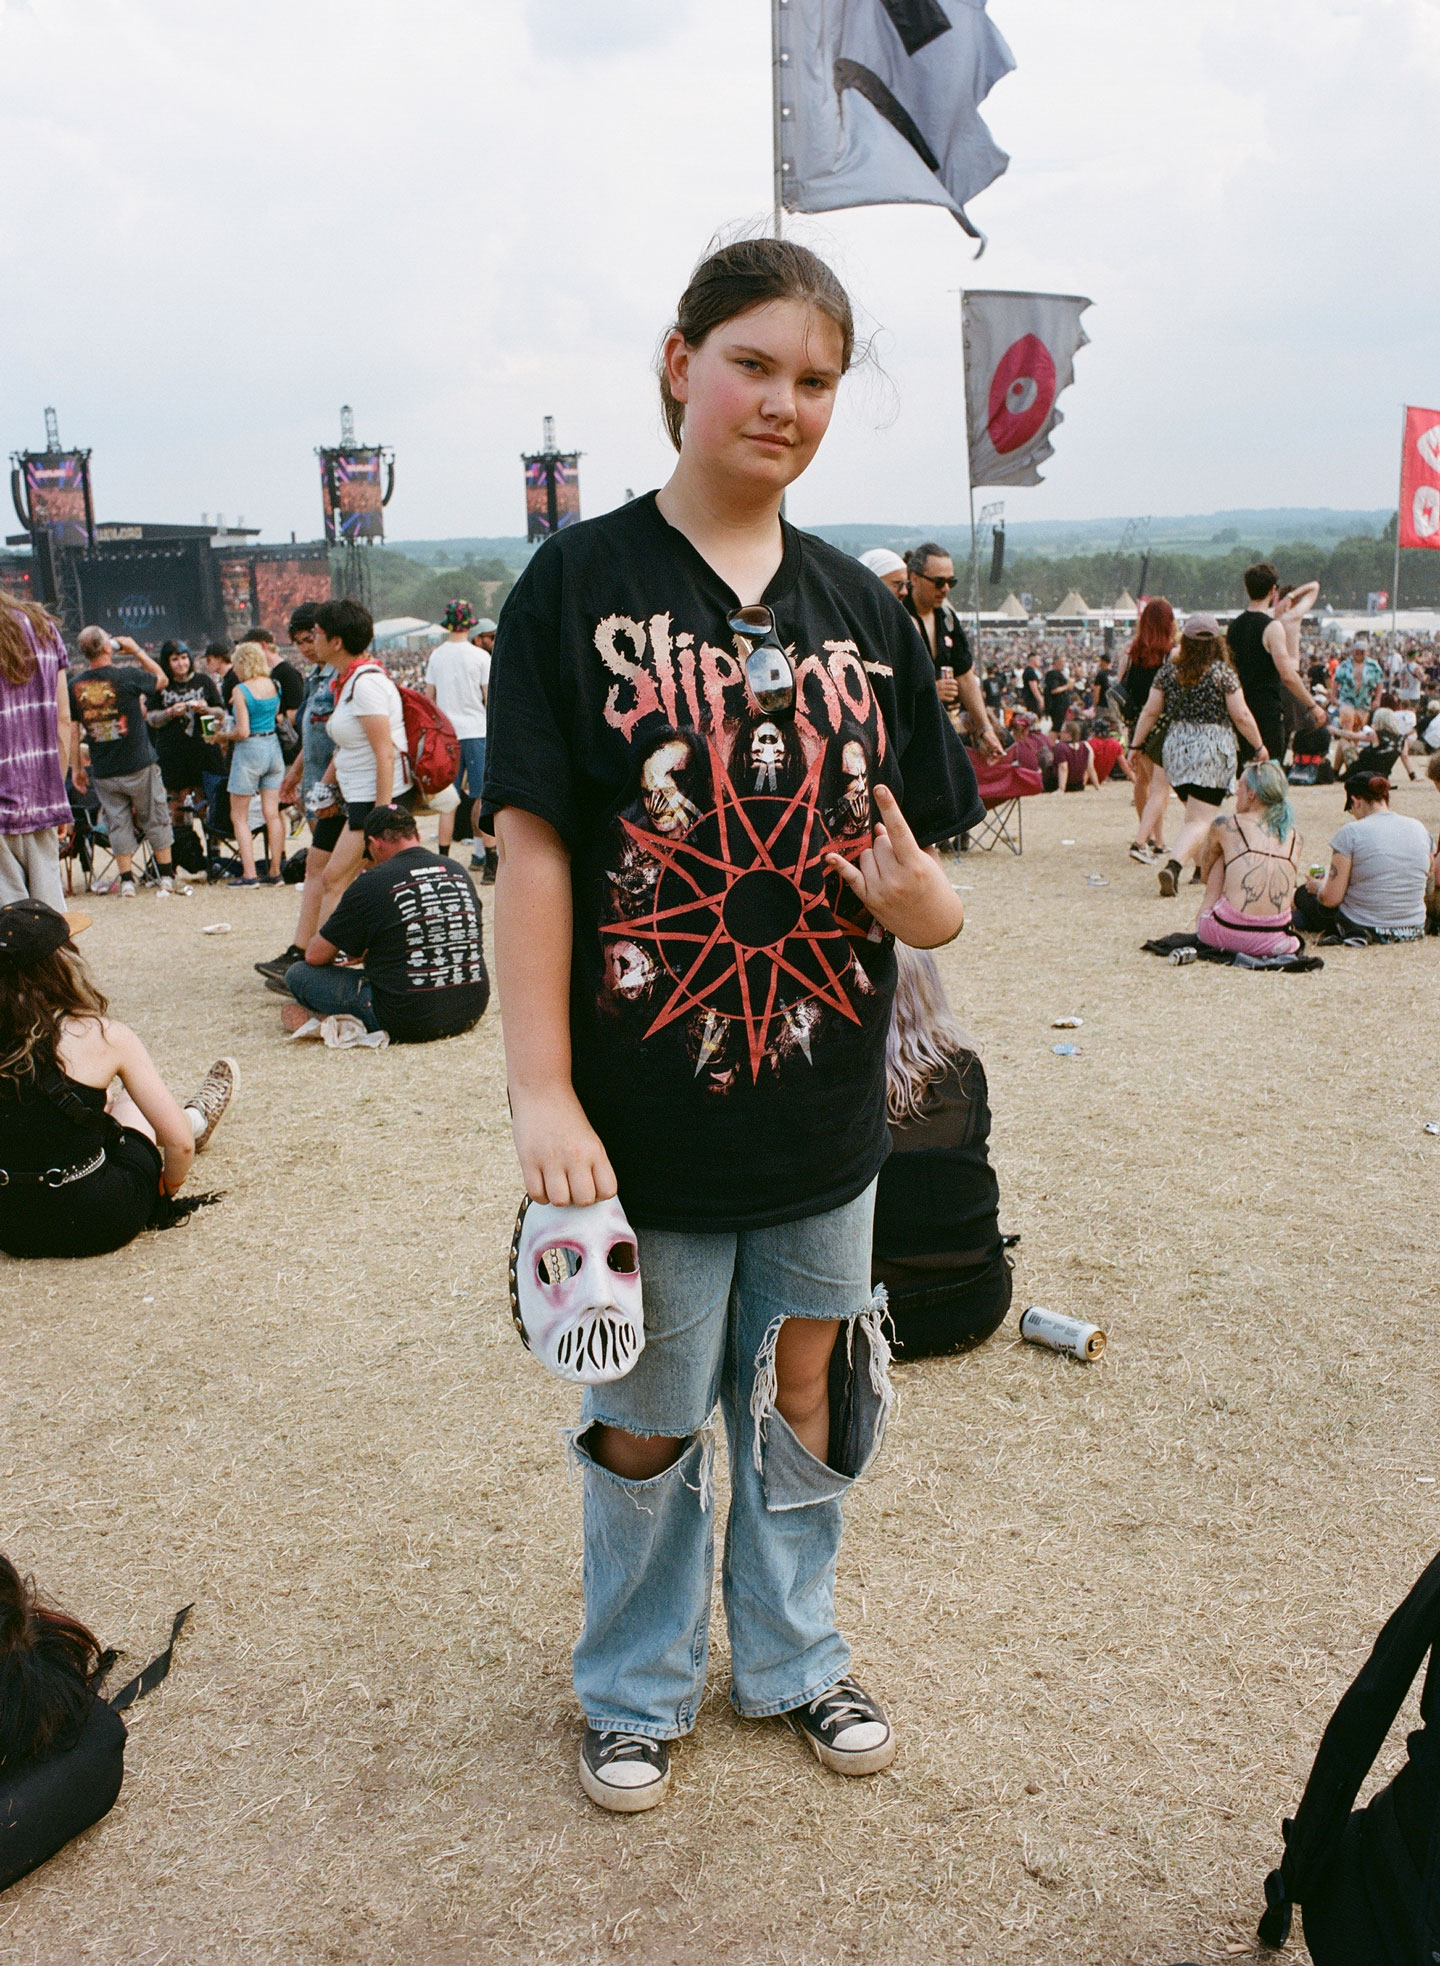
(902, 885)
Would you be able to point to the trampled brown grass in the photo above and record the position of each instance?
(1110, 1608)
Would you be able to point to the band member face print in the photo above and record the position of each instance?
(720, 914)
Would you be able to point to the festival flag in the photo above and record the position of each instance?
(1420, 479)
(879, 103)
(1019, 355)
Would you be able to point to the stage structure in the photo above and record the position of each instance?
(153, 581)
(552, 487)
(351, 479)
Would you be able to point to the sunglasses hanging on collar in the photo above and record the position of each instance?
(769, 672)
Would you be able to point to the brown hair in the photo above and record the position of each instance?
(751, 273)
(17, 658)
(1193, 658)
(35, 1000)
(1432, 769)
(50, 1665)
(1260, 580)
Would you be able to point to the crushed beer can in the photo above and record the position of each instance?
(1180, 957)
(1070, 1335)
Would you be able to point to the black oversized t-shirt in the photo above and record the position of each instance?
(729, 998)
(110, 701)
(416, 919)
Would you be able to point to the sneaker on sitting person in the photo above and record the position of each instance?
(277, 965)
(624, 1772)
(167, 884)
(847, 1730)
(207, 1107)
(127, 890)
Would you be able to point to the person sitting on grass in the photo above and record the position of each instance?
(415, 917)
(82, 1174)
(1250, 863)
(61, 1746)
(1379, 864)
(937, 1246)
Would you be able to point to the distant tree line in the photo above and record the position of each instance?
(1348, 572)
(401, 586)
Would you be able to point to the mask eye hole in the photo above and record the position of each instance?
(624, 1259)
(558, 1264)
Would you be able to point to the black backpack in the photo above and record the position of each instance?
(1368, 1880)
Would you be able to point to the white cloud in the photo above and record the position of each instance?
(228, 222)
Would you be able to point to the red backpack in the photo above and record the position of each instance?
(430, 739)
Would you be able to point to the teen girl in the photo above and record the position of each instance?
(717, 760)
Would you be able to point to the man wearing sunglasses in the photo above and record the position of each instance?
(932, 576)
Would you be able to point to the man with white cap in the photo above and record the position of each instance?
(458, 679)
(889, 567)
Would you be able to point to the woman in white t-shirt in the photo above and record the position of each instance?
(367, 727)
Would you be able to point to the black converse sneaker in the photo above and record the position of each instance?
(278, 965)
(847, 1729)
(624, 1772)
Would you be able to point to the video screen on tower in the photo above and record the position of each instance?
(55, 487)
(552, 493)
(350, 487)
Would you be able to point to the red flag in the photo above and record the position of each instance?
(1420, 479)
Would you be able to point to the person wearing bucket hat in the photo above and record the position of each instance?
(457, 677)
(80, 1174)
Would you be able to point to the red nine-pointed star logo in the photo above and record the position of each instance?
(740, 925)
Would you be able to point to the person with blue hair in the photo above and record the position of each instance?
(1250, 862)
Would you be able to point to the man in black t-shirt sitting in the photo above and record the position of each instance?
(415, 918)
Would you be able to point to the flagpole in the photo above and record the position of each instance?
(777, 119)
(1399, 500)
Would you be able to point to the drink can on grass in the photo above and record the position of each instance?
(1062, 1334)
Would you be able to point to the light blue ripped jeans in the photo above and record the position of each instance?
(714, 1305)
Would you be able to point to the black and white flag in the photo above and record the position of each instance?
(880, 103)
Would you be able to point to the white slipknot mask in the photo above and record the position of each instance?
(575, 1290)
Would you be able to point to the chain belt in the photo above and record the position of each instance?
(51, 1177)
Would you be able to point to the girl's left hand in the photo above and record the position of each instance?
(901, 885)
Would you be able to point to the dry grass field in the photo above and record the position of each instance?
(1109, 1608)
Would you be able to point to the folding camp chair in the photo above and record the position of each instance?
(1002, 785)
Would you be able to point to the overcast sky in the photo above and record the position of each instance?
(221, 223)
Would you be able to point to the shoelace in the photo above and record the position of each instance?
(842, 1704)
(631, 1747)
(211, 1097)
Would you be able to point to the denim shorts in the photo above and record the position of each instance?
(256, 765)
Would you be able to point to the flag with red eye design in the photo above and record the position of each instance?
(1019, 354)
(1420, 479)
